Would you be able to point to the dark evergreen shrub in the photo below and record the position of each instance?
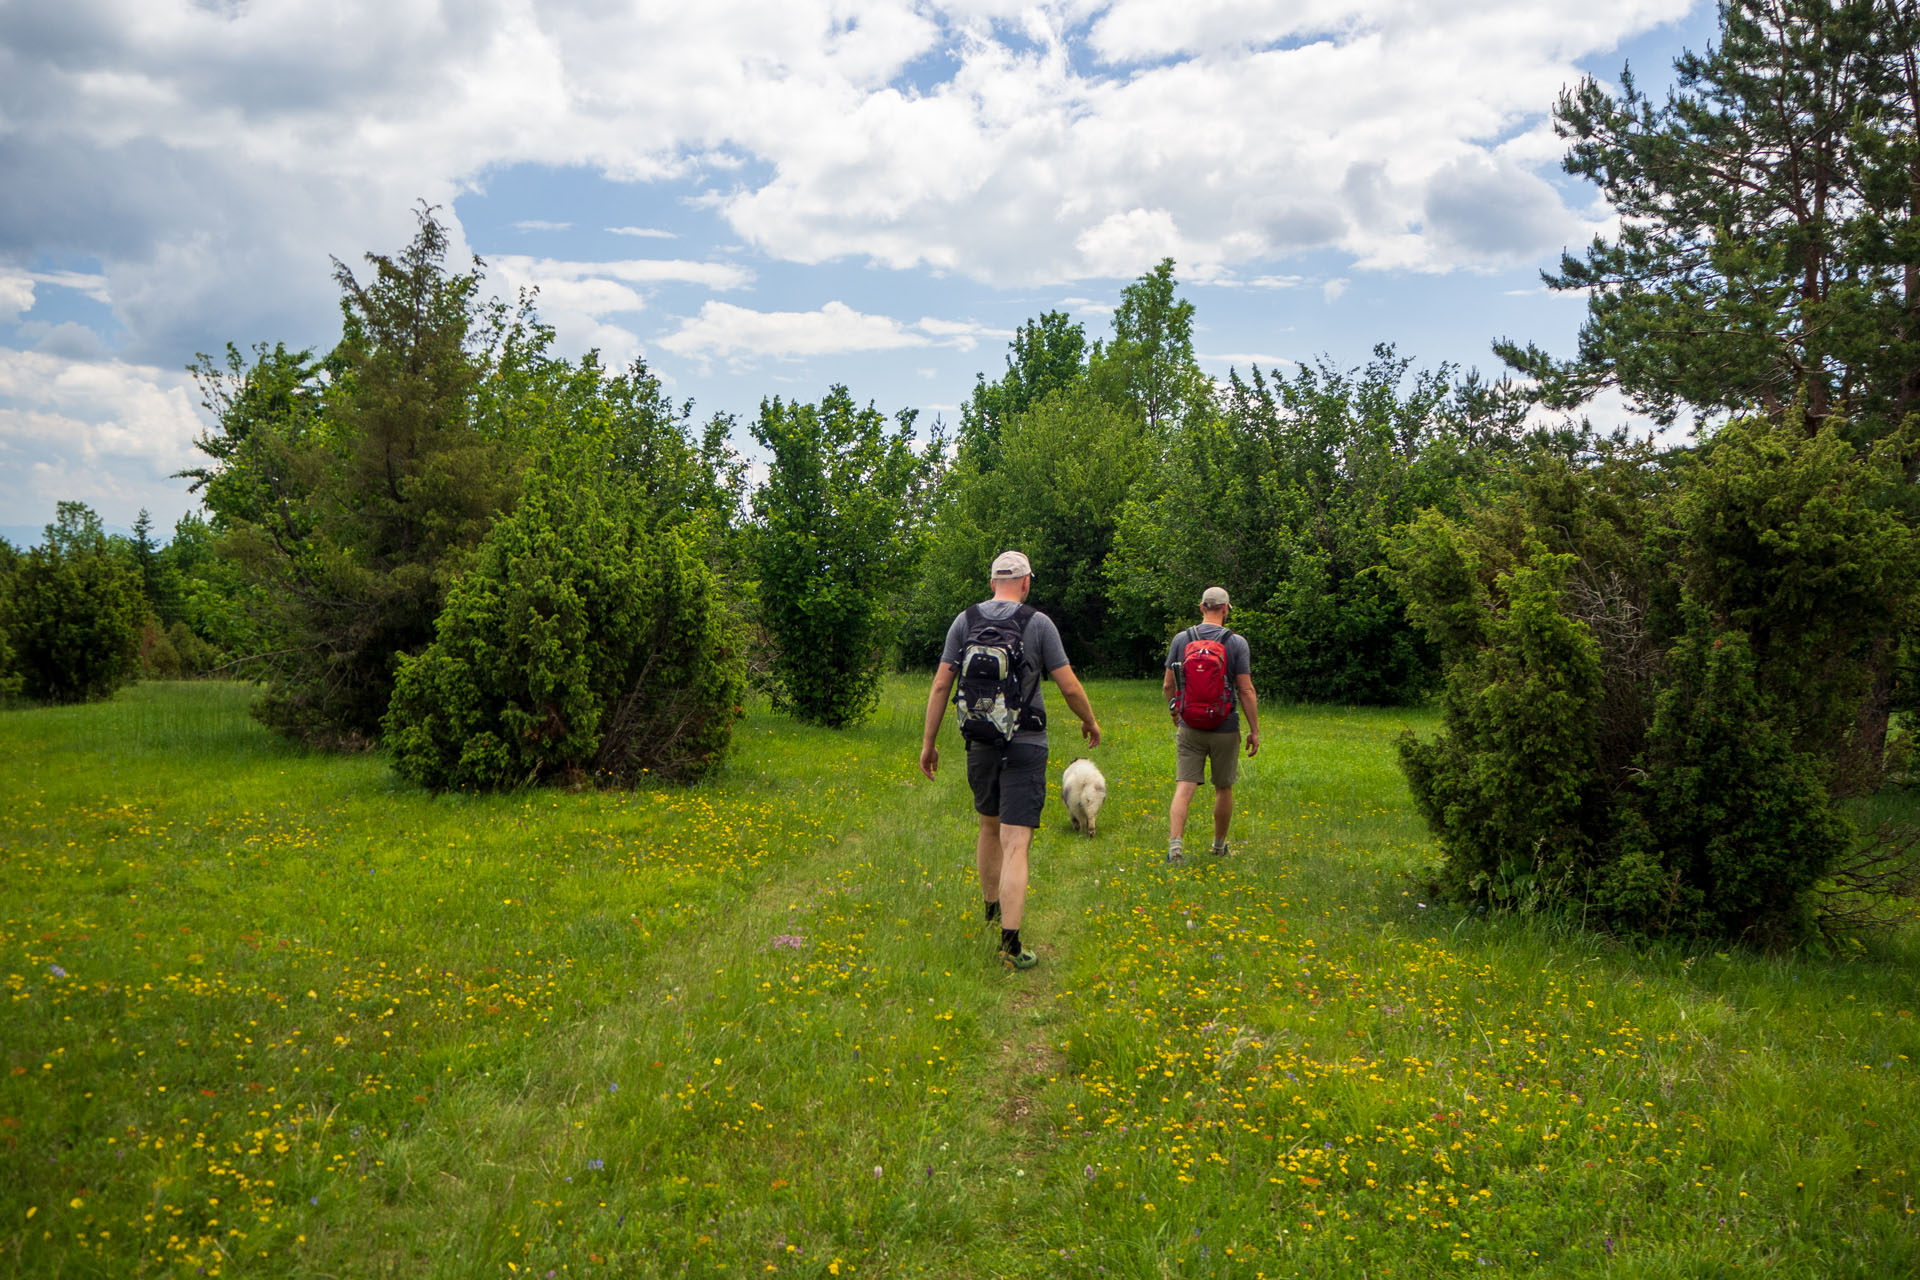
(74, 612)
(1658, 679)
(9, 662)
(580, 643)
(1511, 787)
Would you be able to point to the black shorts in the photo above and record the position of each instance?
(1009, 783)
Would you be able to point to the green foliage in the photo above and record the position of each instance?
(585, 639)
(218, 605)
(1290, 499)
(10, 678)
(1738, 821)
(73, 612)
(837, 536)
(1770, 224)
(1511, 788)
(157, 580)
(1655, 678)
(1147, 365)
(1066, 468)
(264, 413)
(1798, 542)
(350, 506)
(1045, 356)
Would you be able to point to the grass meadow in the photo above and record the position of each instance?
(277, 1014)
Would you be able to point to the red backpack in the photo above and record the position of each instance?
(1205, 699)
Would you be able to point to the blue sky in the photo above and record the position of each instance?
(767, 199)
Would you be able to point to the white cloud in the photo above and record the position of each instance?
(961, 334)
(17, 288)
(1332, 289)
(201, 149)
(726, 331)
(85, 283)
(16, 295)
(650, 233)
(540, 224)
(209, 157)
(577, 298)
(641, 271)
(103, 432)
(1247, 359)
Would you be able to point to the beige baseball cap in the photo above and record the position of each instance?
(1011, 564)
(1214, 598)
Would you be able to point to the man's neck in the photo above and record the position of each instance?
(1213, 617)
(1011, 597)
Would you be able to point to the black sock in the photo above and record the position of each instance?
(1010, 941)
(993, 909)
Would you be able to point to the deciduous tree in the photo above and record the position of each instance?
(837, 534)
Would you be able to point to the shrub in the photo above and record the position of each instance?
(581, 641)
(9, 662)
(75, 612)
(837, 535)
(1510, 788)
(1659, 680)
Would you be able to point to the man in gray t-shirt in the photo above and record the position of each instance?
(1196, 749)
(1009, 781)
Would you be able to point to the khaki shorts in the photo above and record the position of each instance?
(1194, 747)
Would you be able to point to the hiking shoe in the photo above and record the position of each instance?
(1176, 858)
(1021, 959)
(1220, 849)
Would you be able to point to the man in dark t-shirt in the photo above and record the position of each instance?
(1009, 782)
(1196, 749)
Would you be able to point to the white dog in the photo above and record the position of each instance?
(1083, 790)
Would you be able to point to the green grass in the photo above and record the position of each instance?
(271, 1013)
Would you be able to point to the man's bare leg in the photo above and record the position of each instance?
(986, 856)
(1014, 844)
(1177, 818)
(1222, 813)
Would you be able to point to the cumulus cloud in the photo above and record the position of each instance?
(103, 432)
(641, 271)
(1248, 360)
(210, 157)
(724, 331)
(16, 295)
(962, 335)
(198, 148)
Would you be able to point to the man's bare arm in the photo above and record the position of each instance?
(1076, 695)
(936, 712)
(1249, 707)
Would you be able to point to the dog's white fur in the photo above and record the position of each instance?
(1084, 790)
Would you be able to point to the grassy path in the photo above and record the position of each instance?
(272, 1014)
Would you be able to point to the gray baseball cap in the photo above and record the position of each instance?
(1214, 598)
(1011, 564)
